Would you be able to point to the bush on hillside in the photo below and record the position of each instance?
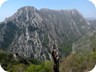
(77, 63)
(44, 67)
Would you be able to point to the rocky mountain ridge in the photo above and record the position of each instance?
(31, 32)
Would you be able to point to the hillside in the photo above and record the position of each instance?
(86, 44)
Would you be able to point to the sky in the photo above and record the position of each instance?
(83, 6)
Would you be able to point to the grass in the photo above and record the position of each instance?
(76, 63)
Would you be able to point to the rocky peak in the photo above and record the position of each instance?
(24, 13)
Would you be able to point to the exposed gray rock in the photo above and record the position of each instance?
(31, 32)
(92, 23)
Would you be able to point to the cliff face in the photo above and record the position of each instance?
(31, 32)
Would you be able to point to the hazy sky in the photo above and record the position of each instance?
(84, 6)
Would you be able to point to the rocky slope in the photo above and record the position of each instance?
(31, 32)
(92, 23)
(86, 44)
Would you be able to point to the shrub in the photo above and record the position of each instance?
(44, 67)
(18, 68)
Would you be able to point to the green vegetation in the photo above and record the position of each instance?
(46, 41)
(9, 35)
(17, 68)
(73, 63)
(10, 64)
(65, 48)
(44, 67)
(6, 60)
(77, 63)
(93, 42)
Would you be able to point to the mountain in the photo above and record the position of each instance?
(92, 23)
(31, 32)
(91, 18)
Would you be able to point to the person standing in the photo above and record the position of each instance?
(55, 56)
